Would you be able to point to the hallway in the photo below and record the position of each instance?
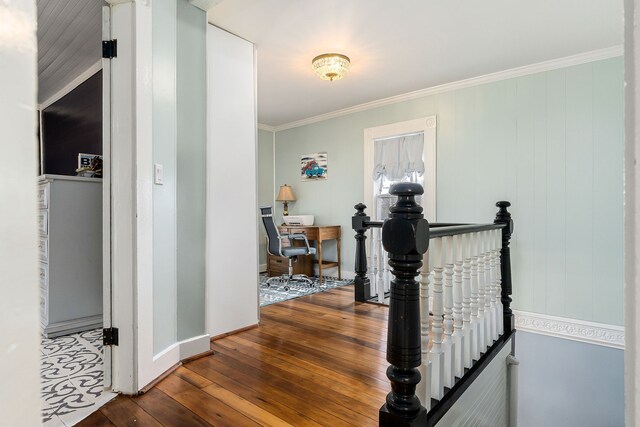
(314, 361)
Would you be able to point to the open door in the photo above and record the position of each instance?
(106, 194)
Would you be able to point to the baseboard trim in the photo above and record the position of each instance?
(237, 331)
(262, 268)
(571, 329)
(194, 346)
(72, 326)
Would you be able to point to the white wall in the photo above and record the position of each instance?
(232, 234)
(19, 290)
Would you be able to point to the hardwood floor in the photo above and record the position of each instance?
(314, 361)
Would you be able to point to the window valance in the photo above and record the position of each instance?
(398, 157)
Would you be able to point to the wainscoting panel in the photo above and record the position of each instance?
(486, 402)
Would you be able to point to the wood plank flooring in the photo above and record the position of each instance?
(313, 361)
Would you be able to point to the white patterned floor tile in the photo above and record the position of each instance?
(75, 417)
(72, 377)
(54, 422)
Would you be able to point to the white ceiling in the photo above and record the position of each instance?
(398, 46)
(69, 42)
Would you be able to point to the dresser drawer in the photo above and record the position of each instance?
(43, 222)
(44, 308)
(43, 196)
(43, 276)
(43, 248)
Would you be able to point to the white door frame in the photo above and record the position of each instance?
(134, 363)
(427, 125)
(122, 179)
(106, 194)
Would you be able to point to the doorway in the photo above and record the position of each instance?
(74, 209)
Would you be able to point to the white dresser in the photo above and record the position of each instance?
(70, 247)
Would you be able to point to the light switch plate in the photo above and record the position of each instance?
(158, 174)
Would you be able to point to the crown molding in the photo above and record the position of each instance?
(204, 4)
(266, 127)
(554, 64)
(571, 329)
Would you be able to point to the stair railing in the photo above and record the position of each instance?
(441, 324)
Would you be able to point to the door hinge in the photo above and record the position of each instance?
(109, 48)
(110, 336)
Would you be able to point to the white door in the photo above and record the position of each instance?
(106, 193)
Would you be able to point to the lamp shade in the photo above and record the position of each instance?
(285, 194)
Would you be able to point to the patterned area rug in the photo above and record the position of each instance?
(71, 377)
(276, 292)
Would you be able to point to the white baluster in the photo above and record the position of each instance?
(458, 341)
(466, 300)
(475, 319)
(436, 355)
(371, 261)
(387, 273)
(423, 390)
(447, 342)
(380, 268)
(498, 246)
(494, 277)
(482, 335)
(487, 288)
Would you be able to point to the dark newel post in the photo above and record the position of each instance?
(362, 285)
(405, 236)
(504, 217)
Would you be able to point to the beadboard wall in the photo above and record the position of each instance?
(550, 142)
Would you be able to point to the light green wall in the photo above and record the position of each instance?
(190, 195)
(265, 184)
(551, 143)
(179, 139)
(164, 196)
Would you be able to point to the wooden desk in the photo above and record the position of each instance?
(318, 234)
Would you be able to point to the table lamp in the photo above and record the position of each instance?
(285, 195)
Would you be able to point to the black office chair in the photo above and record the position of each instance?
(274, 247)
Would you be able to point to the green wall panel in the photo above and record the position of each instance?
(551, 143)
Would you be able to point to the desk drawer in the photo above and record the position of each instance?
(311, 233)
(278, 263)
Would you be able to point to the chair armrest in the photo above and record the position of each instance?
(296, 236)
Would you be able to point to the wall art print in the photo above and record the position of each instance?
(313, 167)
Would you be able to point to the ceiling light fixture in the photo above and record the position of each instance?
(331, 66)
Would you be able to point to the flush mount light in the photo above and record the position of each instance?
(331, 66)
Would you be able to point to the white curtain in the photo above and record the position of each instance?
(398, 157)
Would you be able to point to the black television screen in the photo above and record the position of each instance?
(72, 125)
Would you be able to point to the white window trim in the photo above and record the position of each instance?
(426, 125)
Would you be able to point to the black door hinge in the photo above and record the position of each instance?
(110, 336)
(109, 48)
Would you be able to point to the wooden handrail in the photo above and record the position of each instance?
(461, 229)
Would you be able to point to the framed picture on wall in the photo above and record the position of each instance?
(313, 167)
